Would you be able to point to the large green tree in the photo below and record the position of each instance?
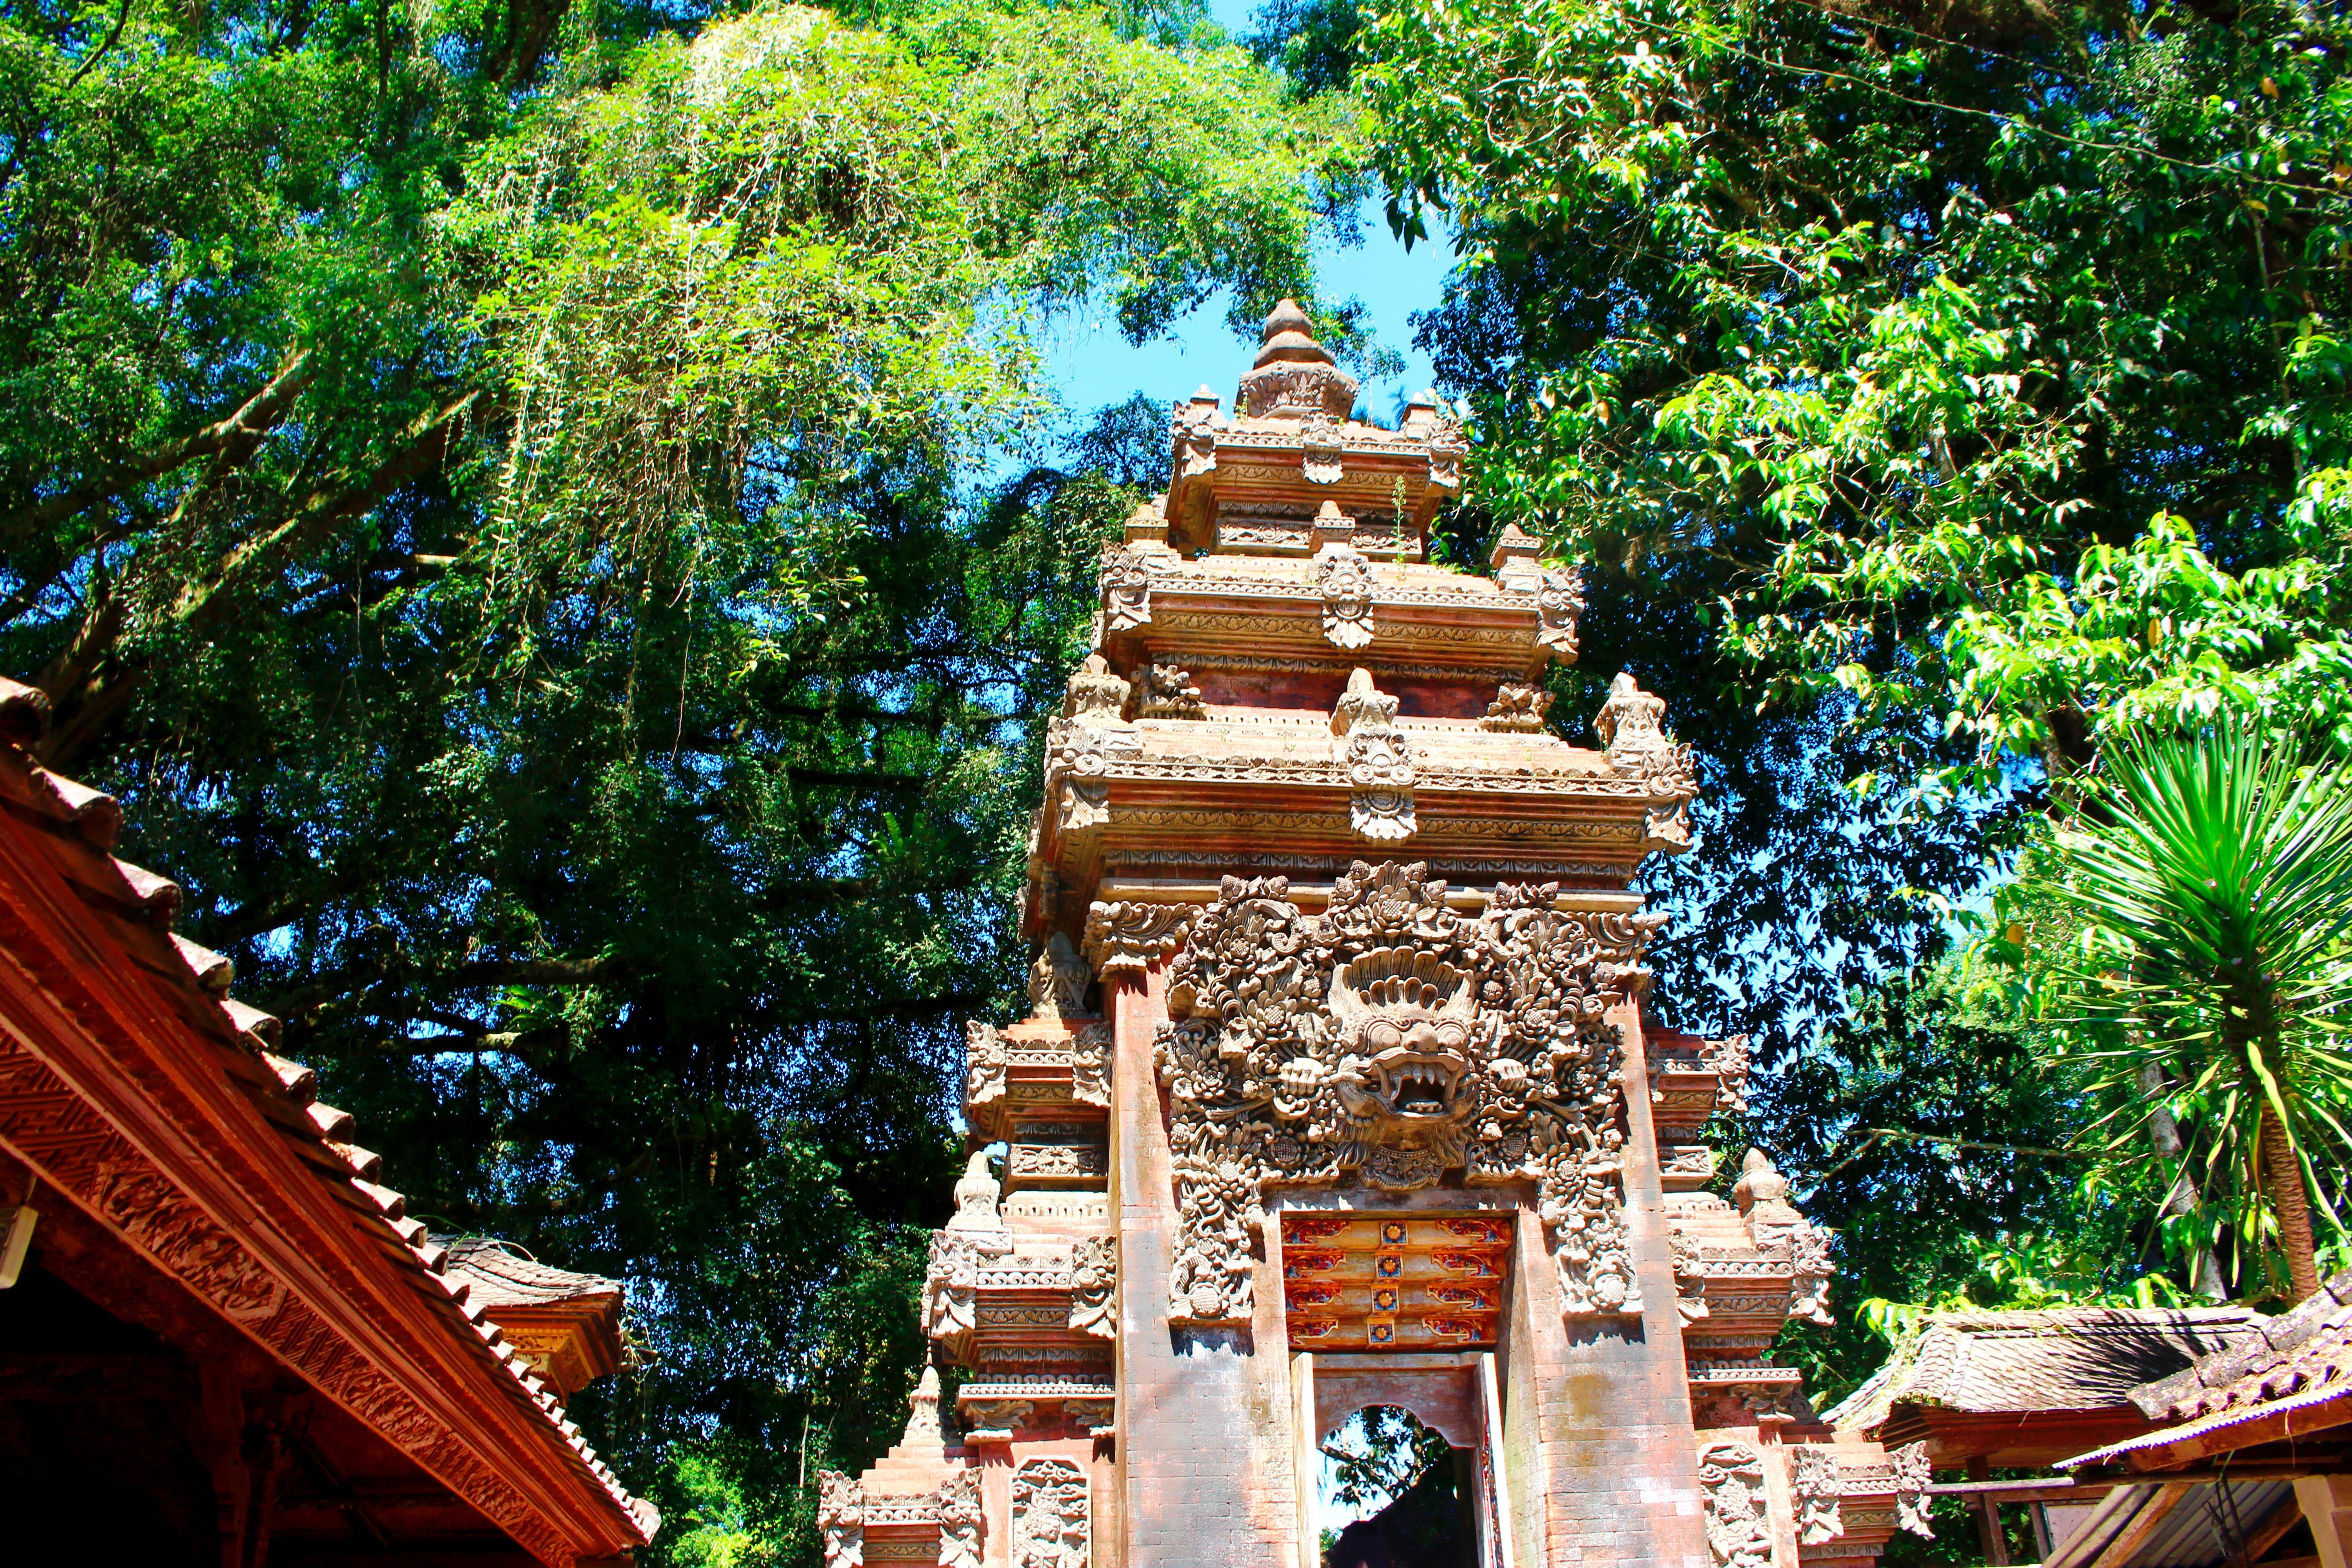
(549, 516)
(1963, 380)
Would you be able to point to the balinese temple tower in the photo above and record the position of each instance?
(1335, 1089)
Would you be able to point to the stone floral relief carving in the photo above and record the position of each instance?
(1690, 1278)
(985, 1061)
(952, 1285)
(1560, 600)
(1052, 1527)
(1081, 744)
(1390, 1040)
(1816, 1486)
(841, 1519)
(1323, 449)
(1094, 1286)
(1166, 691)
(1912, 1475)
(1094, 1415)
(1058, 1160)
(1378, 759)
(960, 1520)
(1731, 1478)
(1344, 576)
(1002, 1417)
(1193, 432)
(1059, 979)
(1126, 589)
(1090, 1064)
(1729, 1061)
(1128, 939)
(1517, 709)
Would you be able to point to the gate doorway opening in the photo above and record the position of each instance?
(1412, 1491)
(1416, 1438)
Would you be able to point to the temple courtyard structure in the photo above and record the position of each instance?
(1335, 1089)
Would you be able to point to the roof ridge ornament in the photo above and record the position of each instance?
(1294, 377)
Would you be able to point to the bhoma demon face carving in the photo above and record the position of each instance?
(1389, 1041)
(1404, 1023)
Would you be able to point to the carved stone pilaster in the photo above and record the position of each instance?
(1816, 1487)
(1217, 1212)
(1731, 1478)
(841, 1519)
(1094, 1286)
(1582, 1203)
(1378, 761)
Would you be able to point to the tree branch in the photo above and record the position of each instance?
(254, 420)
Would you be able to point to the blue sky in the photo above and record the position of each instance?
(1091, 365)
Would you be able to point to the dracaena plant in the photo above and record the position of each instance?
(2204, 891)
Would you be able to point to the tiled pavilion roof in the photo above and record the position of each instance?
(337, 1280)
(2068, 1358)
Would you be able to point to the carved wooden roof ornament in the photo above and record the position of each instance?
(1335, 1047)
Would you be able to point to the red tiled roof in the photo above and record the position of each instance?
(503, 1277)
(2307, 1349)
(122, 912)
(2065, 1358)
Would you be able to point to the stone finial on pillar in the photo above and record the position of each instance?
(923, 1409)
(975, 1195)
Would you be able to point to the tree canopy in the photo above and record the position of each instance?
(554, 518)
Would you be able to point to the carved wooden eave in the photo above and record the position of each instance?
(140, 1093)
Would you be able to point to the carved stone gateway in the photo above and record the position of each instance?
(1336, 1085)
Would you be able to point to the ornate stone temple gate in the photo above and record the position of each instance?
(1337, 1090)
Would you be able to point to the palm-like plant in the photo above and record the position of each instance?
(2210, 881)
